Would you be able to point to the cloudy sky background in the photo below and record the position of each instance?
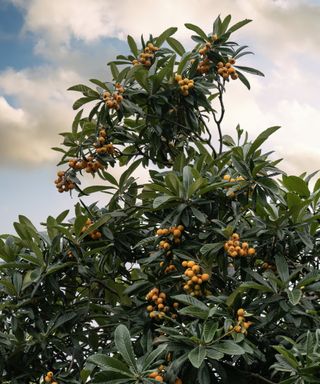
(46, 46)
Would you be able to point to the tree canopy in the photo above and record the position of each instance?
(206, 273)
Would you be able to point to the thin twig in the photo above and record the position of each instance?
(219, 120)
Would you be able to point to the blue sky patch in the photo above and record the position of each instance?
(16, 47)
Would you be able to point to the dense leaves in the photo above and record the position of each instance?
(206, 273)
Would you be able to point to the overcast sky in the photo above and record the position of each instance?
(46, 46)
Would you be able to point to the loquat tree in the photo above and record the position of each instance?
(206, 273)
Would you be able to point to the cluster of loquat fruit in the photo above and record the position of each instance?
(242, 324)
(145, 58)
(48, 378)
(158, 375)
(101, 145)
(234, 247)
(170, 268)
(267, 266)
(160, 306)
(113, 100)
(63, 184)
(194, 278)
(231, 179)
(226, 69)
(95, 234)
(90, 164)
(173, 236)
(184, 84)
(204, 66)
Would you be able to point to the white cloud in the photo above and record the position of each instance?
(29, 131)
(284, 33)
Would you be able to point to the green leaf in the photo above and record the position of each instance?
(252, 71)
(106, 363)
(209, 330)
(211, 248)
(189, 300)
(214, 354)
(83, 100)
(176, 46)
(123, 344)
(164, 35)
(294, 296)
(133, 46)
(199, 215)
(261, 139)
(243, 79)
(194, 312)
(229, 347)
(153, 356)
(95, 225)
(238, 25)
(184, 60)
(79, 224)
(114, 70)
(95, 188)
(282, 267)
(63, 319)
(76, 121)
(296, 184)
(197, 355)
(287, 355)
(100, 84)
(160, 200)
(197, 30)
(87, 91)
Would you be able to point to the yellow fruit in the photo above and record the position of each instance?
(176, 233)
(152, 375)
(241, 312)
(184, 263)
(189, 273)
(166, 246)
(247, 324)
(251, 251)
(205, 277)
(162, 295)
(159, 300)
(194, 279)
(181, 228)
(226, 177)
(235, 236)
(150, 308)
(49, 374)
(196, 268)
(191, 263)
(159, 378)
(237, 329)
(47, 379)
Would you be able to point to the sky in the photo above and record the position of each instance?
(46, 46)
